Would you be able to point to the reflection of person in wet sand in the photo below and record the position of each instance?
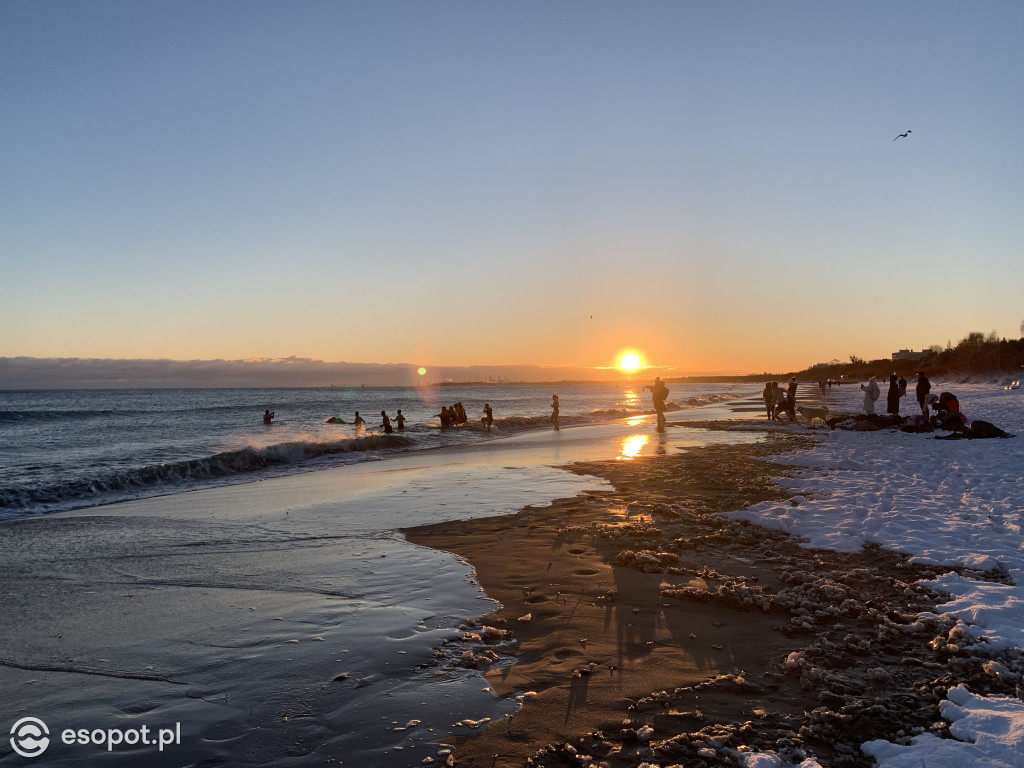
(488, 415)
(554, 410)
(360, 423)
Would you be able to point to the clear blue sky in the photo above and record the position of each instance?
(456, 183)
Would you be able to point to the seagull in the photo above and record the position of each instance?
(903, 135)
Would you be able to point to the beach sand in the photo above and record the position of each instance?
(283, 623)
(641, 608)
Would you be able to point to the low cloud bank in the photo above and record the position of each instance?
(89, 373)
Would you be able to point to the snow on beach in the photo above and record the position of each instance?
(955, 502)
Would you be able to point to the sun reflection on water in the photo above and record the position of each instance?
(632, 445)
(631, 397)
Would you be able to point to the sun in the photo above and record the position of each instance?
(629, 362)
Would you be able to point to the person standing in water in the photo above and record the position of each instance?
(554, 410)
(658, 394)
(268, 416)
(386, 424)
(400, 420)
(488, 415)
(360, 423)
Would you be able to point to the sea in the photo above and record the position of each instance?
(71, 449)
(295, 624)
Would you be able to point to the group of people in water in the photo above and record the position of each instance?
(453, 416)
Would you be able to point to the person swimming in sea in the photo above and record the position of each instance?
(268, 416)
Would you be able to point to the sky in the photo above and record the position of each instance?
(713, 185)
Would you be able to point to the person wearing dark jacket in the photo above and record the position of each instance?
(791, 399)
(923, 388)
(892, 399)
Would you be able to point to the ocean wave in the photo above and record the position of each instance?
(29, 417)
(220, 465)
(718, 397)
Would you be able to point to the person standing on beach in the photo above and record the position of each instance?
(488, 415)
(871, 393)
(791, 399)
(769, 399)
(360, 423)
(400, 420)
(892, 399)
(903, 386)
(554, 410)
(924, 387)
(778, 400)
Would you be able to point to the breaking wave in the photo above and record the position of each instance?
(192, 471)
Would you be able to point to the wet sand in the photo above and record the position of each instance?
(646, 626)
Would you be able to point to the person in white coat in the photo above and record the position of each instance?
(871, 393)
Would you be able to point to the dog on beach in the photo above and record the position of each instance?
(811, 414)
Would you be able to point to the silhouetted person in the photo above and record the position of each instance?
(791, 399)
(268, 417)
(488, 415)
(360, 423)
(659, 392)
(778, 400)
(903, 386)
(769, 399)
(924, 387)
(386, 423)
(892, 398)
(400, 420)
(446, 416)
(554, 410)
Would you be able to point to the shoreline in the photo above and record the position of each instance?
(659, 629)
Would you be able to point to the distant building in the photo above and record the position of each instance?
(909, 354)
(829, 364)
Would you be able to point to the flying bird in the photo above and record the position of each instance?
(903, 135)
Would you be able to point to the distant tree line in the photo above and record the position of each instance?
(976, 355)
